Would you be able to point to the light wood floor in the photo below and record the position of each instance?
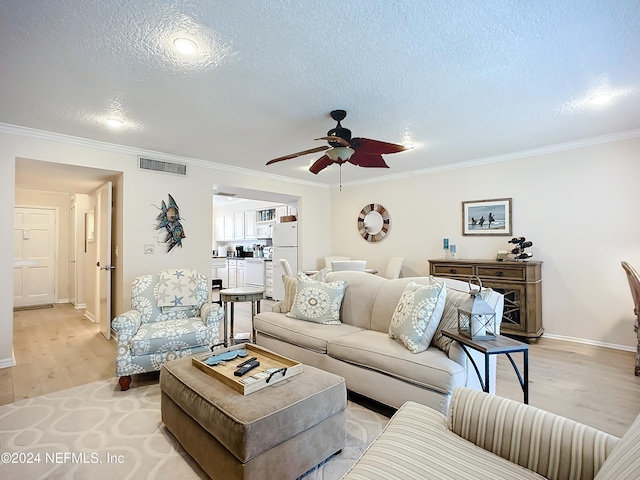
(55, 348)
(58, 348)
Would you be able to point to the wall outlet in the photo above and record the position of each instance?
(149, 248)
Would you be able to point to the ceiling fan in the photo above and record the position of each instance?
(362, 152)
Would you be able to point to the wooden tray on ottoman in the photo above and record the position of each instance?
(248, 383)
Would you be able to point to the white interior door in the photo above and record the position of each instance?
(34, 248)
(104, 267)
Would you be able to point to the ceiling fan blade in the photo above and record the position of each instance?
(375, 147)
(299, 154)
(320, 164)
(368, 161)
(333, 138)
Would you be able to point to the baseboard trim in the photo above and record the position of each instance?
(614, 346)
(8, 362)
(62, 300)
(90, 316)
(80, 306)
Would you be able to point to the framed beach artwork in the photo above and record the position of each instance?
(487, 217)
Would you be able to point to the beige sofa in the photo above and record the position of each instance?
(361, 351)
(489, 437)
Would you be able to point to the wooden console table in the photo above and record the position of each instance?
(519, 282)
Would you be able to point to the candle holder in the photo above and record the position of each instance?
(476, 319)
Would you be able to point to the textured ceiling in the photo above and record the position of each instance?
(458, 80)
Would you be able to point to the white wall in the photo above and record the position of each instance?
(578, 207)
(135, 195)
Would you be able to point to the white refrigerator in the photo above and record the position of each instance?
(285, 245)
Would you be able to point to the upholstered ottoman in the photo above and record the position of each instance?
(279, 432)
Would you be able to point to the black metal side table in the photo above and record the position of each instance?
(498, 345)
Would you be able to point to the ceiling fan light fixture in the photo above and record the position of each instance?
(340, 153)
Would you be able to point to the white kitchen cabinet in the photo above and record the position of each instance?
(250, 224)
(281, 212)
(285, 211)
(238, 226)
(268, 279)
(236, 272)
(219, 228)
(232, 265)
(240, 274)
(219, 270)
(229, 224)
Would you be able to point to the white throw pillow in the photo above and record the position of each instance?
(317, 302)
(417, 315)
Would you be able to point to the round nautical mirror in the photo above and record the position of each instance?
(374, 222)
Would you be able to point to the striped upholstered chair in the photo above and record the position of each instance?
(489, 437)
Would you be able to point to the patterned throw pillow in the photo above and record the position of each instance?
(289, 293)
(449, 319)
(417, 315)
(318, 301)
(177, 288)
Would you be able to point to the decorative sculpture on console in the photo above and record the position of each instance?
(519, 251)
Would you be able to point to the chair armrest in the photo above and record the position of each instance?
(548, 444)
(276, 306)
(127, 325)
(211, 314)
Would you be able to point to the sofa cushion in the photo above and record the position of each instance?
(417, 315)
(360, 296)
(171, 335)
(290, 284)
(309, 335)
(318, 302)
(624, 461)
(417, 444)
(377, 351)
(387, 300)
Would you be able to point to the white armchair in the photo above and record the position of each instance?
(162, 326)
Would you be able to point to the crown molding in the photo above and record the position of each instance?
(113, 147)
(560, 147)
(116, 148)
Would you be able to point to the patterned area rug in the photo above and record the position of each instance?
(96, 431)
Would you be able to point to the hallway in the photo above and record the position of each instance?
(55, 348)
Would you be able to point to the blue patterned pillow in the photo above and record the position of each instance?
(417, 315)
(317, 302)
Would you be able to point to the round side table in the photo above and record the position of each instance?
(240, 294)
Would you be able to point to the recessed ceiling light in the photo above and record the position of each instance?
(115, 122)
(185, 46)
(600, 98)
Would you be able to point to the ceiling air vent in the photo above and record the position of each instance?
(160, 166)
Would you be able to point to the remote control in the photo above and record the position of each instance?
(250, 366)
(247, 362)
